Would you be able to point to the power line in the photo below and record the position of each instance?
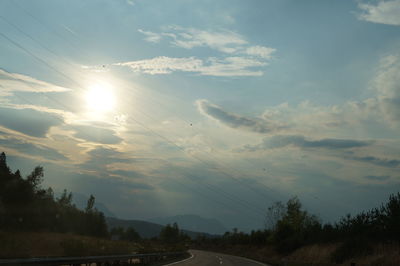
(159, 135)
(138, 122)
(210, 155)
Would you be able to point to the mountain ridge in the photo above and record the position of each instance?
(193, 222)
(148, 229)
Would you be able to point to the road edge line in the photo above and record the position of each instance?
(176, 262)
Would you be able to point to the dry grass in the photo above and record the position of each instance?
(384, 254)
(319, 254)
(27, 245)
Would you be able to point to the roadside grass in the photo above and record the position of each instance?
(318, 254)
(46, 244)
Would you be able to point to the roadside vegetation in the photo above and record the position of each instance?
(295, 235)
(35, 223)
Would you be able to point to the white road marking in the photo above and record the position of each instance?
(254, 261)
(191, 257)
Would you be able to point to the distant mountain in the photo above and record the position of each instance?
(193, 223)
(80, 201)
(146, 229)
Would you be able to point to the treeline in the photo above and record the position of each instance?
(26, 206)
(290, 227)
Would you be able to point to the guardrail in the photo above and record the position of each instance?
(134, 259)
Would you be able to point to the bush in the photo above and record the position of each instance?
(352, 248)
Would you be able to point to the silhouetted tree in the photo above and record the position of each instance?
(170, 234)
(274, 213)
(90, 204)
(25, 205)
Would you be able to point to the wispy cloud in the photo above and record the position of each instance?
(384, 162)
(377, 177)
(29, 121)
(151, 36)
(227, 67)
(222, 40)
(29, 148)
(238, 58)
(18, 82)
(260, 51)
(96, 134)
(386, 84)
(385, 12)
(164, 65)
(236, 121)
(281, 141)
(130, 2)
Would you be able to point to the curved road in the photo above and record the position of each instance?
(206, 258)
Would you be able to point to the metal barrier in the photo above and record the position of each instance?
(134, 259)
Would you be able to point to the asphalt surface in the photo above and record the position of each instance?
(206, 258)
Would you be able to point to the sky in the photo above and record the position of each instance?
(214, 108)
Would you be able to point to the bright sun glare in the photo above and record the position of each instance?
(100, 99)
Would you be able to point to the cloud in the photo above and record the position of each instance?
(281, 141)
(384, 12)
(29, 121)
(242, 57)
(116, 185)
(101, 164)
(260, 51)
(126, 173)
(130, 2)
(387, 86)
(377, 177)
(235, 121)
(96, 134)
(221, 40)
(391, 163)
(19, 82)
(230, 66)
(101, 157)
(31, 149)
(164, 65)
(151, 36)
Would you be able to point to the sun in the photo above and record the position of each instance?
(100, 99)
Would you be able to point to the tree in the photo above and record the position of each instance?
(3, 165)
(36, 178)
(296, 227)
(131, 235)
(65, 199)
(90, 204)
(274, 214)
(170, 234)
(24, 205)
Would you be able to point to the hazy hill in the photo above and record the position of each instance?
(193, 223)
(146, 229)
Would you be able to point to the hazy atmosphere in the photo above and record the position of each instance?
(211, 108)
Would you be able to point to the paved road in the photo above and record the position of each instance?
(205, 258)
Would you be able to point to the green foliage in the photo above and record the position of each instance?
(171, 234)
(274, 214)
(129, 234)
(90, 204)
(295, 228)
(26, 206)
(75, 246)
(352, 248)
